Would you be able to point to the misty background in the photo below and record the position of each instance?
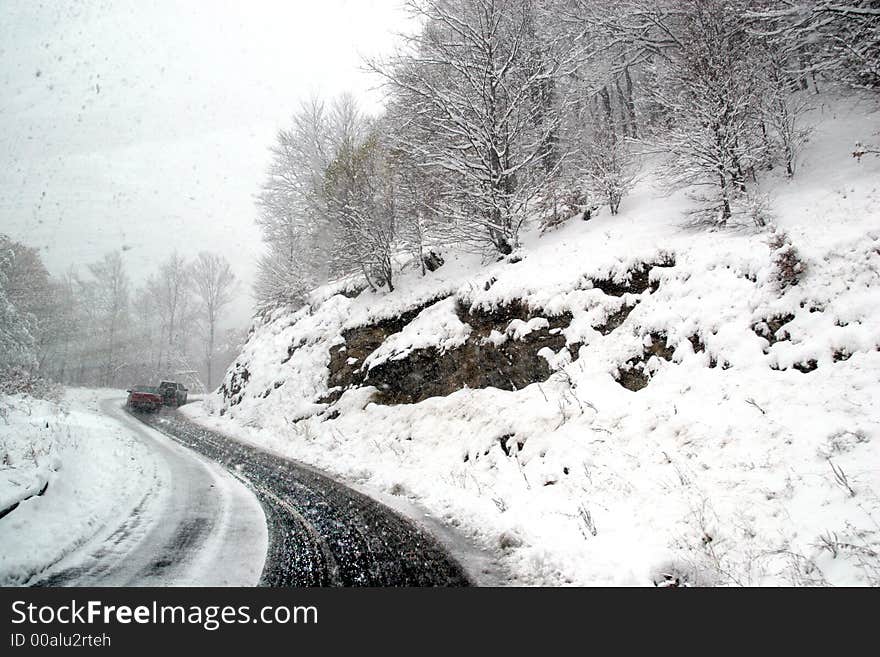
(146, 126)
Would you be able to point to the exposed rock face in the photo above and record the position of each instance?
(432, 260)
(510, 364)
(615, 319)
(490, 357)
(769, 329)
(634, 374)
(636, 280)
(507, 347)
(346, 360)
(479, 363)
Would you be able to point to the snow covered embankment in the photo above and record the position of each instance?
(685, 412)
(93, 473)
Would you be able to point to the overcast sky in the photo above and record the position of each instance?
(145, 124)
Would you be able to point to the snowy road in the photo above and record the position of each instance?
(197, 525)
(321, 533)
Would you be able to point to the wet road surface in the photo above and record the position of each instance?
(321, 533)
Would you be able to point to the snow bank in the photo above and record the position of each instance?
(751, 456)
(94, 474)
(28, 449)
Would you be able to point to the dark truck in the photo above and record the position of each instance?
(173, 394)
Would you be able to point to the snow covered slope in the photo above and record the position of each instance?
(666, 401)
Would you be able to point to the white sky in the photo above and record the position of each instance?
(145, 124)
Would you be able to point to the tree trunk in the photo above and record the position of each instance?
(630, 104)
(606, 107)
(624, 115)
(210, 353)
(725, 199)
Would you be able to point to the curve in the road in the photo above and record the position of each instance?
(321, 533)
(197, 525)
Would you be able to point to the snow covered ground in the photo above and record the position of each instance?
(97, 473)
(752, 455)
(118, 500)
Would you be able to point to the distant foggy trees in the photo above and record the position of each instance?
(171, 292)
(95, 328)
(328, 206)
(30, 291)
(17, 347)
(108, 296)
(213, 283)
(499, 112)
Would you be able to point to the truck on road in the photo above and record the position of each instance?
(144, 398)
(173, 393)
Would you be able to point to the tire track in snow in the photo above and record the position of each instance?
(205, 529)
(321, 533)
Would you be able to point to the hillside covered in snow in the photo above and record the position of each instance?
(622, 401)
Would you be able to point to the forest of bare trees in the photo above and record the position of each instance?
(498, 113)
(96, 328)
(502, 112)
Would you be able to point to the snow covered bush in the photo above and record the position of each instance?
(756, 208)
(22, 380)
(786, 259)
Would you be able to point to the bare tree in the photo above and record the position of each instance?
(475, 99)
(360, 198)
(840, 40)
(610, 169)
(16, 341)
(700, 56)
(214, 285)
(111, 299)
(172, 296)
(781, 108)
(420, 229)
(600, 160)
(297, 228)
(291, 212)
(30, 290)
